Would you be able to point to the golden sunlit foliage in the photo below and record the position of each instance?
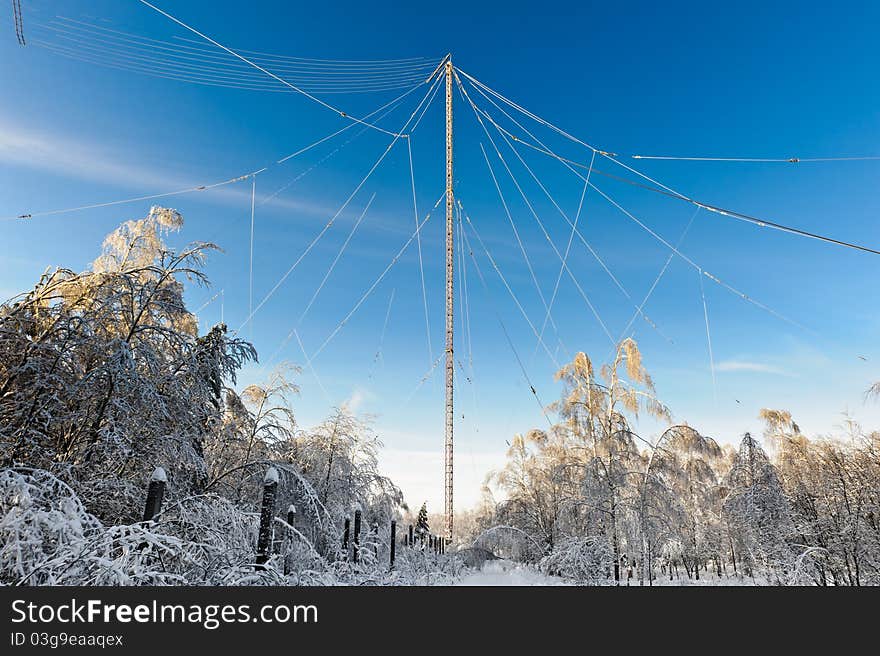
(608, 504)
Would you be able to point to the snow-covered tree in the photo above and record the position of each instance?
(595, 409)
(758, 515)
(583, 478)
(340, 458)
(103, 373)
(686, 461)
(104, 376)
(252, 426)
(422, 527)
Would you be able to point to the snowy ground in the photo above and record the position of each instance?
(504, 572)
(706, 580)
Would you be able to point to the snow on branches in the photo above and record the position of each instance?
(606, 504)
(106, 382)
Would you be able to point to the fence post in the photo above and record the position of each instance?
(356, 540)
(393, 541)
(376, 540)
(155, 492)
(264, 537)
(410, 542)
(291, 515)
(345, 532)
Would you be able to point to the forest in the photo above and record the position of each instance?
(108, 387)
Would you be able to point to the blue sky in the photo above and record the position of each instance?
(688, 79)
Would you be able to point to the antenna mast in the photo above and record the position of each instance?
(450, 360)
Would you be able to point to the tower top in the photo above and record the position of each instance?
(443, 63)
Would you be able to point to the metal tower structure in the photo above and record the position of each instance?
(450, 359)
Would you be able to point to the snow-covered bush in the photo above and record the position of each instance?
(48, 538)
(415, 566)
(585, 559)
(511, 543)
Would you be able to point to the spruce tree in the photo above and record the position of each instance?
(422, 523)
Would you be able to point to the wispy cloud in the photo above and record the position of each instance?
(356, 401)
(85, 160)
(49, 152)
(749, 366)
(82, 159)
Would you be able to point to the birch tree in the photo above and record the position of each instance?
(595, 409)
(103, 373)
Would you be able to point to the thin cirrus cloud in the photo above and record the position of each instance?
(750, 367)
(83, 160)
(45, 152)
(93, 162)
